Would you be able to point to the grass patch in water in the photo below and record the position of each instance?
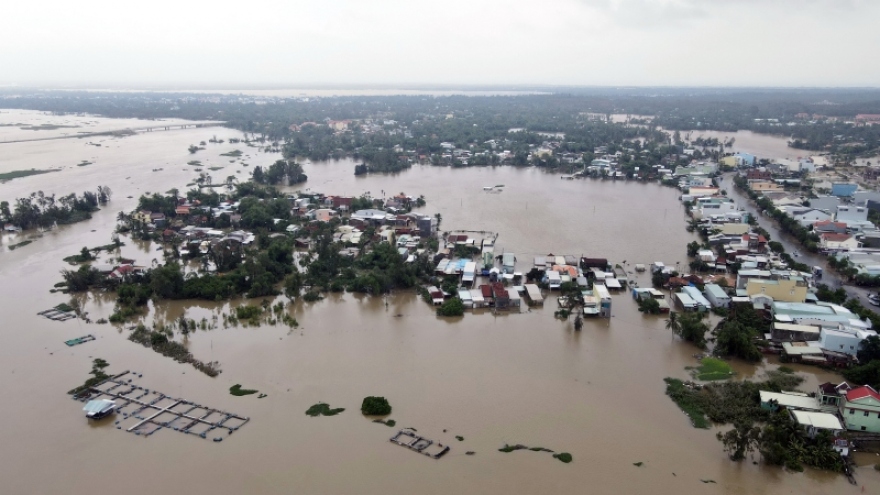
(13, 247)
(322, 409)
(713, 369)
(564, 457)
(16, 174)
(235, 153)
(84, 163)
(214, 169)
(47, 127)
(194, 163)
(679, 394)
(237, 391)
(459, 438)
(386, 422)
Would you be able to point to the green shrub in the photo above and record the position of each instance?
(375, 406)
(237, 391)
(563, 456)
(312, 296)
(452, 307)
(322, 409)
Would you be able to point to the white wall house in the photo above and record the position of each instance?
(811, 216)
(838, 241)
(843, 339)
(850, 213)
(716, 295)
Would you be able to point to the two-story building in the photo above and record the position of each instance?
(861, 409)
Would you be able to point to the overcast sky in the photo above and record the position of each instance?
(295, 43)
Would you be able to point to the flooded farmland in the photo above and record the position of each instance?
(514, 378)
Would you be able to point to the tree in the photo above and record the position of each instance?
(739, 441)
(98, 366)
(452, 307)
(672, 323)
(375, 406)
(167, 281)
(649, 306)
(869, 350)
(692, 329)
(733, 338)
(867, 374)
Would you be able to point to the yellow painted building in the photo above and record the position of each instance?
(780, 290)
(729, 161)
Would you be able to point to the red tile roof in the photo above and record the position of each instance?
(861, 393)
(835, 237)
(823, 223)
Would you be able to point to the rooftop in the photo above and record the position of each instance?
(817, 420)
(862, 392)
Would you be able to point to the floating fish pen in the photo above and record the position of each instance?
(408, 438)
(143, 412)
(57, 314)
(79, 340)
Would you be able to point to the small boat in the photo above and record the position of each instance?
(499, 186)
(487, 188)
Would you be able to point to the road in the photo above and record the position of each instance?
(829, 277)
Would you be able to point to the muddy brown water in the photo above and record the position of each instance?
(513, 378)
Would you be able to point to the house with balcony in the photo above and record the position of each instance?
(861, 409)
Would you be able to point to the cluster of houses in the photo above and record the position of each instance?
(839, 217)
(834, 408)
(392, 223)
(488, 283)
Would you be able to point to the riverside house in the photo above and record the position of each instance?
(861, 409)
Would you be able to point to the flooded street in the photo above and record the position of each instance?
(515, 378)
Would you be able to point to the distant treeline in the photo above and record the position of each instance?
(474, 119)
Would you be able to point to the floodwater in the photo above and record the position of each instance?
(20, 125)
(514, 378)
(761, 145)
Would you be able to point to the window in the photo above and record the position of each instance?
(852, 411)
(866, 414)
(864, 428)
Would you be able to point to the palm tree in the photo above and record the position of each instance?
(673, 324)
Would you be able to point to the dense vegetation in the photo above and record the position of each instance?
(283, 172)
(40, 210)
(735, 335)
(779, 439)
